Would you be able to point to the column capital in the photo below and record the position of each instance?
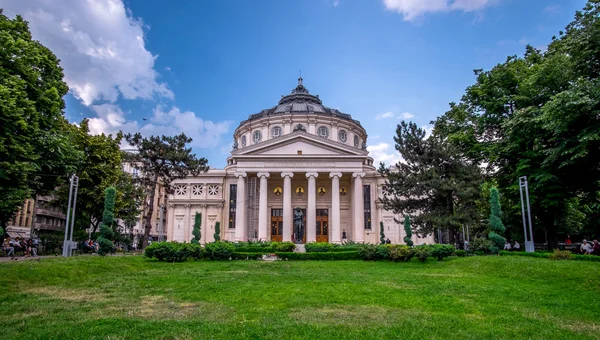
(335, 174)
(312, 174)
(240, 174)
(263, 174)
(287, 174)
(358, 174)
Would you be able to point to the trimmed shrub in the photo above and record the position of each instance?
(480, 244)
(367, 252)
(441, 251)
(285, 247)
(197, 227)
(422, 252)
(247, 256)
(408, 230)
(591, 258)
(520, 253)
(106, 233)
(382, 252)
(318, 247)
(479, 252)
(560, 255)
(496, 226)
(381, 234)
(460, 253)
(173, 251)
(399, 253)
(217, 232)
(320, 256)
(219, 250)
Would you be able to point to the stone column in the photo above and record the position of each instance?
(187, 232)
(263, 217)
(358, 205)
(170, 221)
(287, 206)
(311, 211)
(336, 233)
(240, 209)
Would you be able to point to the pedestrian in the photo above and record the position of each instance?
(586, 248)
(8, 248)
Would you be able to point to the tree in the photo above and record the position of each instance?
(217, 232)
(496, 226)
(162, 160)
(434, 183)
(106, 232)
(98, 169)
(381, 234)
(130, 198)
(197, 226)
(35, 154)
(408, 230)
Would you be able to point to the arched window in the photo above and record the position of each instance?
(356, 141)
(323, 132)
(256, 136)
(243, 140)
(343, 136)
(276, 132)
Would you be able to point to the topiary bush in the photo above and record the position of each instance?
(320, 256)
(381, 234)
(408, 230)
(399, 253)
(441, 251)
(496, 226)
(367, 252)
(561, 255)
(106, 233)
(285, 247)
(422, 252)
(197, 228)
(217, 232)
(219, 250)
(318, 247)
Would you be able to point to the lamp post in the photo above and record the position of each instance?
(70, 215)
(523, 187)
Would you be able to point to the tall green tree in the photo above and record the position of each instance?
(35, 154)
(217, 232)
(433, 183)
(106, 231)
(408, 230)
(196, 231)
(496, 227)
(162, 160)
(381, 233)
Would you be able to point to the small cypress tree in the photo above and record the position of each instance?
(217, 231)
(106, 233)
(408, 230)
(197, 226)
(381, 234)
(496, 226)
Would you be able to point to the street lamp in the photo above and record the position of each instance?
(523, 187)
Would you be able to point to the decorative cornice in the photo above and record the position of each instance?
(287, 174)
(335, 174)
(312, 174)
(263, 174)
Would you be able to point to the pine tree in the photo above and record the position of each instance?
(106, 232)
(408, 230)
(197, 226)
(217, 232)
(496, 226)
(381, 234)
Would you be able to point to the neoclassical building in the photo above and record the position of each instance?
(299, 171)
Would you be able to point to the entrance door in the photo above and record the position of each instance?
(322, 225)
(276, 225)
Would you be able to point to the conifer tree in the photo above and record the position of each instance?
(381, 234)
(408, 230)
(496, 226)
(106, 232)
(197, 226)
(217, 232)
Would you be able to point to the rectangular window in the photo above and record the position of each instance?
(367, 200)
(232, 204)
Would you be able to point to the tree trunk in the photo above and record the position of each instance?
(148, 218)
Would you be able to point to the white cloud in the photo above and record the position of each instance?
(205, 133)
(383, 152)
(336, 3)
(384, 115)
(428, 130)
(413, 9)
(406, 115)
(100, 44)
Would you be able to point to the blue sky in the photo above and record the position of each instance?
(203, 66)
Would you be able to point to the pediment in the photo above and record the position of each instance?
(300, 143)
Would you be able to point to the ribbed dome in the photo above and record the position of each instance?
(300, 101)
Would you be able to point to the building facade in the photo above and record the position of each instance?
(299, 171)
(36, 216)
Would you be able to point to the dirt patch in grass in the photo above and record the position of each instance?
(349, 315)
(72, 295)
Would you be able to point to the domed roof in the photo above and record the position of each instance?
(300, 101)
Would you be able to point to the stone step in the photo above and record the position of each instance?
(300, 248)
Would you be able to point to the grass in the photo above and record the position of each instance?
(131, 297)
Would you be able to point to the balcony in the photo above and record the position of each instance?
(48, 212)
(44, 226)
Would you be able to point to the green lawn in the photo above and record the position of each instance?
(131, 297)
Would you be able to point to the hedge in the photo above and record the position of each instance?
(345, 255)
(574, 257)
